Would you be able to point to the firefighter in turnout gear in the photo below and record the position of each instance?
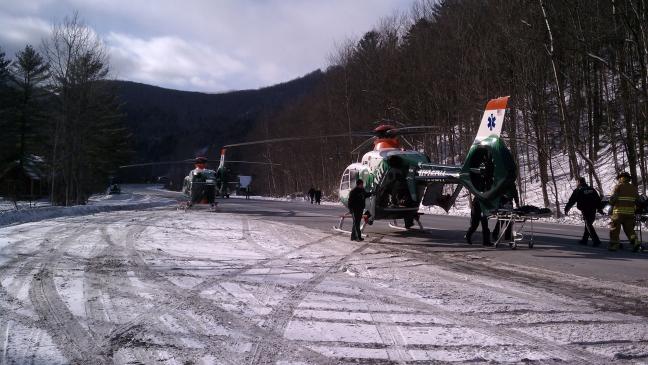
(588, 201)
(624, 199)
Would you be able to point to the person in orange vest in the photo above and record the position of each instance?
(624, 199)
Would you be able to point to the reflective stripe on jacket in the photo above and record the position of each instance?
(624, 198)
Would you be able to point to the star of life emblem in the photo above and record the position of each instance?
(491, 122)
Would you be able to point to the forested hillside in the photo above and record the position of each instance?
(576, 71)
(171, 124)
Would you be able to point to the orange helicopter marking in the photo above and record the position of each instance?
(499, 103)
(385, 143)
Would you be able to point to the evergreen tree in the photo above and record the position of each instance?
(5, 138)
(29, 74)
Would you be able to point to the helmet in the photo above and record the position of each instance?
(200, 160)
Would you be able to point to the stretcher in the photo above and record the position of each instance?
(507, 219)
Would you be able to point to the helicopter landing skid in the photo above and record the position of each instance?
(339, 228)
(395, 225)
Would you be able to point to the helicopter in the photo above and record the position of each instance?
(402, 180)
(202, 185)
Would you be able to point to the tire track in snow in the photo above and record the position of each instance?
(278, 319)
(76, 341)
(21, 267)
(188, 299)
(25, 269)
(574, 355)
(104, 266)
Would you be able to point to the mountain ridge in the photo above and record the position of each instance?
(172, 124)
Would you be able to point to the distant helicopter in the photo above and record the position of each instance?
(202, 185)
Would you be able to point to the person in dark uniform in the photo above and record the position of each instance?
(624, 199)
(311, 195)
(588, 201)
(476, 217)
(318, 196)
(356, 205)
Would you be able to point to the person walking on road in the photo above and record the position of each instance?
(318, 196)
(624, 199)
(588, 201)
(476, 217)
(356, 205)
(311, 194)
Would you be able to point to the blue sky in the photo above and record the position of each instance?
(210, 46)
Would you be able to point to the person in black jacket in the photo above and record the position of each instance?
(588, 201)
(311, 194)
(356, 205)
(477, 217)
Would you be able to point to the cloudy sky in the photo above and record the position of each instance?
(204, 45)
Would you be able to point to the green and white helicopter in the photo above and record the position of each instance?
(202, 185)
(402, 180)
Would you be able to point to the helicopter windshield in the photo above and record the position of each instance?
(349, 178)
(344, 183)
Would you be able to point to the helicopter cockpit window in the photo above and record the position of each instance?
(344, 183)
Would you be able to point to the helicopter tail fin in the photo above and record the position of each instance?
(222, 158)
(492, 120)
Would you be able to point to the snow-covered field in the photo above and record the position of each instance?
(160, 286)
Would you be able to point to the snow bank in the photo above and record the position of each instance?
(133, 197)
(288, 198)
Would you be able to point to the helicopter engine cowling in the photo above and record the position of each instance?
(489, 171)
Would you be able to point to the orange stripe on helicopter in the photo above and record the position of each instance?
(499, 103)
(384, 143)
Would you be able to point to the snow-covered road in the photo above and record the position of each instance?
(160, 286)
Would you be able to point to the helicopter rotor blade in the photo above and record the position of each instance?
(302, 138)
(160, 163)
(363, 145)
(422, 129)
(253, 163)
(408, 142)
